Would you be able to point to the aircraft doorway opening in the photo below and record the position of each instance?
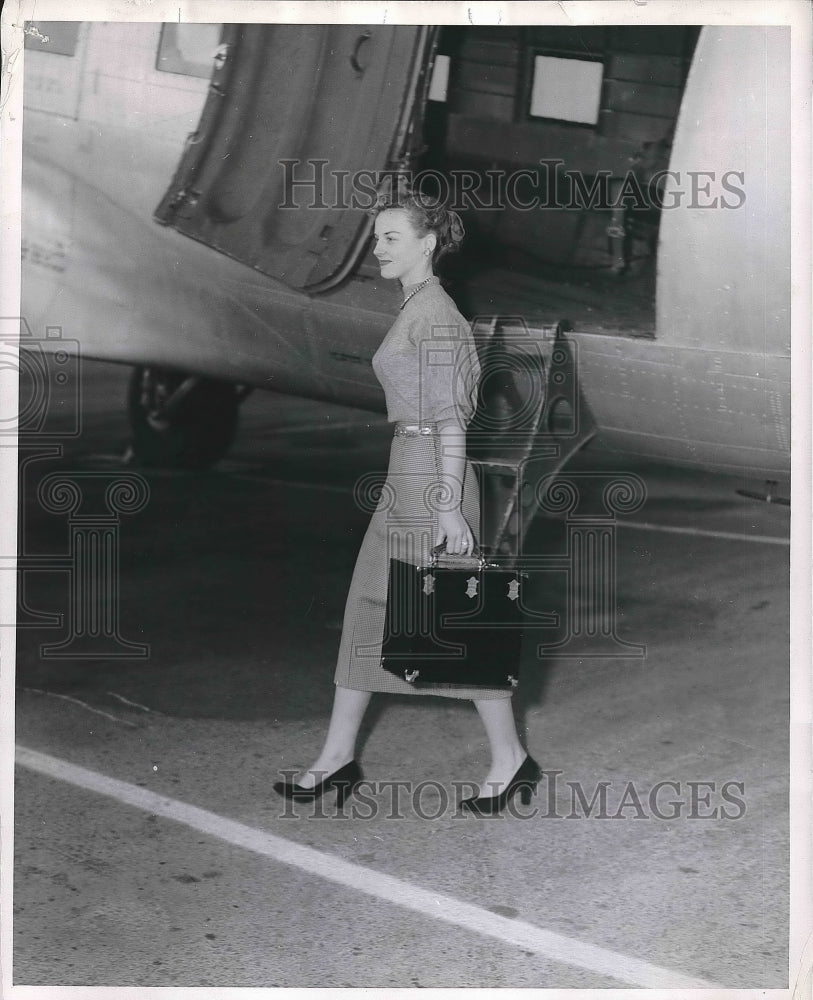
(549, 140)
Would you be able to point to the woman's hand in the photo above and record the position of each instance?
(452, 528)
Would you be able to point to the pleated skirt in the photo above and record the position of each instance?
(403, 526)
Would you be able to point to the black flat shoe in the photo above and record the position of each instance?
(344, 781)
(524, 781)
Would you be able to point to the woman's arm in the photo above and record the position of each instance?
(448, 374)
(452, 526)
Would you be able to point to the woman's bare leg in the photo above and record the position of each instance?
(339, 748)
(507, 753)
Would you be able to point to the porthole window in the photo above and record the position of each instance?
(566, 89)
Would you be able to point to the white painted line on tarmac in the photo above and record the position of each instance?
(437, 905)
(265, 480)
(675, 530)
(82, 704)
(639, 525)
(131, 704)
(247, 477)
(359, 425)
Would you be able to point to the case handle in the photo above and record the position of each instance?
(466, 560)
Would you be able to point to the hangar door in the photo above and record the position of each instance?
(293, 114)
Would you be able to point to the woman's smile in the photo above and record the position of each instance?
(401, 253)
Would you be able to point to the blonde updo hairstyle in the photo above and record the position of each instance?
(428, 215)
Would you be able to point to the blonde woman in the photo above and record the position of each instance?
(430, 497)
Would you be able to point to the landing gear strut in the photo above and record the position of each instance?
(180, 420)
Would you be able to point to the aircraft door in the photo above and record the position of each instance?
(294, 113)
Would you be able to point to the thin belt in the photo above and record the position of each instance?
(403, 429)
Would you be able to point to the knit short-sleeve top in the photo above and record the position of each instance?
(427, 364)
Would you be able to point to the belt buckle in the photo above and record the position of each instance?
(413, 430)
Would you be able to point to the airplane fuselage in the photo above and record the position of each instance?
(701, 380)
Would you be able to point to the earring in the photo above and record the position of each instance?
(427, 251)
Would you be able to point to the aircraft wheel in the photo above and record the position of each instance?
(179, 420)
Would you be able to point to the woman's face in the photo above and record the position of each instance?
(400, 251)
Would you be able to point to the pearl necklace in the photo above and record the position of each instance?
(416, 289)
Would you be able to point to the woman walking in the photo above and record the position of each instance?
(428, 367)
